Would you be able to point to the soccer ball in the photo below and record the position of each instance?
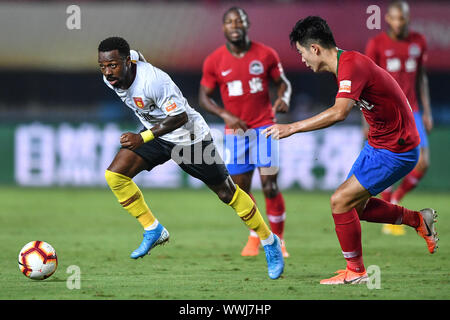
(38, 260)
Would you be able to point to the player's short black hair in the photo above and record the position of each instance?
(312, 29)
(115, 43)
(399, 4)
(239, 10)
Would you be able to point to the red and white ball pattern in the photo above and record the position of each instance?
(38, 260)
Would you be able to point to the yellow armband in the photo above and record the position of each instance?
(147, 136)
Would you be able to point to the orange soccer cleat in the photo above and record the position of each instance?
(251, 248)
(347, 277)
(427, 229)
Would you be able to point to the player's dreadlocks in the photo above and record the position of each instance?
(312, 29)
(115, 43)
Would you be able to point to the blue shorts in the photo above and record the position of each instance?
(246, 152)
(421, 129)
(377, 169)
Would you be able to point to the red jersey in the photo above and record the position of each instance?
(401, 58)
(244, 82)
(380, 98)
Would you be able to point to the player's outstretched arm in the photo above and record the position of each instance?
(206, 102)
(332, 115)
(132, 140)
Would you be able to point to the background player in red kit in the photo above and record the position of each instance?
(242, 69)
(390, 153)
(402, 52)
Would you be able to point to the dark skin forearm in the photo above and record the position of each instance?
(132, 140)
(424, 92)
(207, 103)
(282, 86)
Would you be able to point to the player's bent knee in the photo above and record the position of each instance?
(225, 195)
(270, 190)
(337, 202)
(115, 180)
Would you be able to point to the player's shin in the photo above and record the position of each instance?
(249, 213)
(276, 214)
(130, 197)
(348, 231)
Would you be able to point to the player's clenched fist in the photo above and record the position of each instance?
(131, 140)
(278, 131)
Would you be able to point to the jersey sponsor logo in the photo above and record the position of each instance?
(393, 64)
(138, 102)
(235, 88)
(226, 72)
(256, 67)
(411, 65)
(345, 86)
(256, 85)
(170, 106)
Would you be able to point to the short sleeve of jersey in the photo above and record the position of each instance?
(275, 68)
(209, 78)
(424, 56)
(351, 79)
(371, 50)
(166, 95)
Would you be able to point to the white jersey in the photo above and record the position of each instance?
(153, 96)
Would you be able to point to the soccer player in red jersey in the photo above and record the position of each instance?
(243, 69)
(390, 153)
(402, 52)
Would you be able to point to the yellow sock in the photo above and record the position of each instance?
(130, 197)
(249, 213)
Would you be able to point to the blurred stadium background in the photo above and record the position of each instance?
(59, 123)
(60, 128)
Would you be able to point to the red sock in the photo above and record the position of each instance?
(276, 214)
(387, 194)
(378, 210)
(409, 182)
(348, 231)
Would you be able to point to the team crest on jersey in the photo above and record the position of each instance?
(414, 50)
(138, 102)
(256, 67)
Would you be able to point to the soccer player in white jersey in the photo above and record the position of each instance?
(172, 130)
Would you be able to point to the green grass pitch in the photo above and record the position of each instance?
(89, 229)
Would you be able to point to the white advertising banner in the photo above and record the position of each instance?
(77, 155)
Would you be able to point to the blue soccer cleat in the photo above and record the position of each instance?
(274, 257)
(152, 238)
